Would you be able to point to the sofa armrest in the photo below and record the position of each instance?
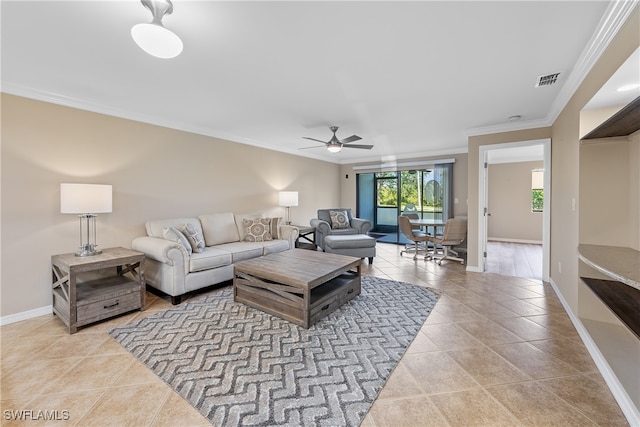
(362, 225)
(290, 233)
(162, 250)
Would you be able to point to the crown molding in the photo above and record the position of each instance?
(508, 127)
(613, 19)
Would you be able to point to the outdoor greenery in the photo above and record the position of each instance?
(420, 190)
(537, 200)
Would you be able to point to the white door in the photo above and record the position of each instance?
(485, 211)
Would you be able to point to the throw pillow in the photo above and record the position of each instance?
(274, 227)
(193, 236)
(173, 234)
(257, 230)
(339, 219)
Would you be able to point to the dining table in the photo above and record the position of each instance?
(428, 223)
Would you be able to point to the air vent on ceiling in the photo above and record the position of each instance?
(547, 80)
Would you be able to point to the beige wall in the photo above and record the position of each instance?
(565, 162)
(510, 203)
(460, 167)
(155, 172)
(606, 199)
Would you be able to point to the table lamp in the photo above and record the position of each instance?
(86, 200)
(288, 199)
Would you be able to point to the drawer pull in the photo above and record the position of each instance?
(325, 307)
(350, 291)
(112, 305)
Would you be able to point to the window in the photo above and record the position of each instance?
(382, 196)
(537, 192)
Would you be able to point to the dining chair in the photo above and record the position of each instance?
(418, 237)
(455, 232)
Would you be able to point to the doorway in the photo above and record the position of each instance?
(512, 153)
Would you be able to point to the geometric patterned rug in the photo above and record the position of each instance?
(240, 366)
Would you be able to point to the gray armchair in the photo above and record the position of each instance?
(326, 227)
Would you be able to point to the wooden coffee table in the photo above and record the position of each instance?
(298, 285)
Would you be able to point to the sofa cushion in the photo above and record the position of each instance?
(257, 230)
(219, 228)
(211, 257)
(242, 250)
(274, 246)
(175, 235)
(155, 227)
(339, 219)
(193, 235)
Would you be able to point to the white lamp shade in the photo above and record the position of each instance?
(157, 40)
(288, 198)
(85, 198)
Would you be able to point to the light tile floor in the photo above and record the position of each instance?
(495, 351)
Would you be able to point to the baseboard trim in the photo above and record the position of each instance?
(619, 393)
(474, 269)
(25, 315)
(508, 240)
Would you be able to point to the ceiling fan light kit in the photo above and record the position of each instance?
(154, 38)
(334, 145)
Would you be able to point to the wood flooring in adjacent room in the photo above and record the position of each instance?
(514, 259)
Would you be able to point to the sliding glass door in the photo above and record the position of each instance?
(386, 219)
(383, 196)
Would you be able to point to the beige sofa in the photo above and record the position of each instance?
(175, 265)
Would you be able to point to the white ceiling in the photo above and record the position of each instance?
(610, 94)
(413, 78)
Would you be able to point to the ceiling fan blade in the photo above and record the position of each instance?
(313, 139)
(306, 148)
(352, 138)
(366, 147)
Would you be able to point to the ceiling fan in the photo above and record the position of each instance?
(334, 144)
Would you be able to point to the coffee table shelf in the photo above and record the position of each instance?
(297, 285)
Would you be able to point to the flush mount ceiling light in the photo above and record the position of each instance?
(154, 38)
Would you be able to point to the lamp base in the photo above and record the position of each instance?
(88, 250)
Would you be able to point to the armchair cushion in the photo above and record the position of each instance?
(339, 219)
(324, 225)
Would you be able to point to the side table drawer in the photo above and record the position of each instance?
(99, 299)
(109, 307)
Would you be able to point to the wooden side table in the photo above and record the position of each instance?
(308, 236)
(79, 303)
